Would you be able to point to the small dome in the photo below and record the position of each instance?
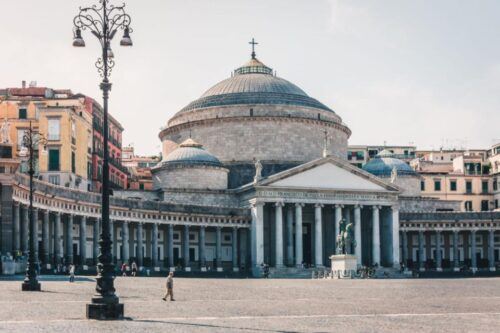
(385, 162)
(191, 152)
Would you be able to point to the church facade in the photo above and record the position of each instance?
(255, 171)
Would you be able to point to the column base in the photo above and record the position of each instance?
(439, 269)
(456, 269)
(171, 269)
(27, 286)
(203, 269)
(105, 311)
(187, 269)
(236, 269)
(493, 269)
(219, 269)
(474, 269)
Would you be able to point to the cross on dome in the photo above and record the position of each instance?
(253, 43)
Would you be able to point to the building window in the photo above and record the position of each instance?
(468, 206)
(23, 114)
(73, 162)
(54, 160)
(54, 179)
(495, 185)
(453, 185)
(422, 185)
(227, 238)
(141, 186)
(468, 187)
(437, 185)
(484, 205)
(496, 203)
(54, 129)
(484, 186)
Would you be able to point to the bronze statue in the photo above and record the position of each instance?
(345, 238)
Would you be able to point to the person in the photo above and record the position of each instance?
(170, 287)
(124, 269)
(134, 268)
(71, 273)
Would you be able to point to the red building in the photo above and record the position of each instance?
(118, 175)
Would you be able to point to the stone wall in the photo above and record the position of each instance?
(190, 177)
(262, 138)
(137, 195)
(201, 198)
(420, 204)
(410, 185)
(244, 173)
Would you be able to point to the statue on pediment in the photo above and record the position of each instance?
(258, 171)
(345, 238)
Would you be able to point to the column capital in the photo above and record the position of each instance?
(376, 207)
(338, 206)
(358, 206)
(299, 204)
(256, 204)
(455, 230)
(279, 204)
(438, 230)
(319, 205)
(474, 230)
(46, 211)
(395, 207)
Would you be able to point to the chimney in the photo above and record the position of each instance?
(24, 84)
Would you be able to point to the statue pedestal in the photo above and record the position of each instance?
(344, 266)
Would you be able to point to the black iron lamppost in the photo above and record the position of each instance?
(30, 142)
(103, 21)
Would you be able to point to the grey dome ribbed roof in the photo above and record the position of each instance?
(385, 162)
(191, 153)
(254, 83)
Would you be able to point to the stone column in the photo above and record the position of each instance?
(140, 255)
(421, 253)
(318, 235)
(338, 219)
(34, 237)
(171, 247)
(58, 251)
(218, 251)
(234, 238)
(357, 234)
(279, 234)
(25, 227)
(299, 252)
(473, 256)
(17, 227)
(185, 248)
(289, 235)
(154, 250)
(69, 240)
(83, 240)
(395, 237)
(125, 242)
(404, 235)
(376, 235)
(257, 237)
(201, 249)
(491, 249)
(456, 259)
(45, 239)
(95, 243)
(439, 266)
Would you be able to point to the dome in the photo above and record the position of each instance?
(191, 153)
(254, 83)
(385, 162)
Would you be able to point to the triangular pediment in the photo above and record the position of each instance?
(328, 173)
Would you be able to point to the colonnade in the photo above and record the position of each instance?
(287, 221)
(451, 248)
(132, 241)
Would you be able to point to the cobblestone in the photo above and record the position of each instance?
(247, 305)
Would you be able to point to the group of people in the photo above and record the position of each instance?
(125, 268)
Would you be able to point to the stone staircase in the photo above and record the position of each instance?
(290, 273)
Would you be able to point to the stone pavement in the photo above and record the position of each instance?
(247, 305)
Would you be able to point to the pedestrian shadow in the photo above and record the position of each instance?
(211, 326)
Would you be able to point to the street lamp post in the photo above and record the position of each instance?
(103, 21)
(30, 142)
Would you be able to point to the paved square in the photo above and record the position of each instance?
(247, 305)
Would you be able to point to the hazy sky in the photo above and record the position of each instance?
(425, 72)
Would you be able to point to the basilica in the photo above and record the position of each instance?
(255, 171)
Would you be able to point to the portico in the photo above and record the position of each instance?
(310, 200)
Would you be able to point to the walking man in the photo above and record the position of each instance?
(170, 287)
(72, 273)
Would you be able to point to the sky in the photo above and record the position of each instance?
(399, 72)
